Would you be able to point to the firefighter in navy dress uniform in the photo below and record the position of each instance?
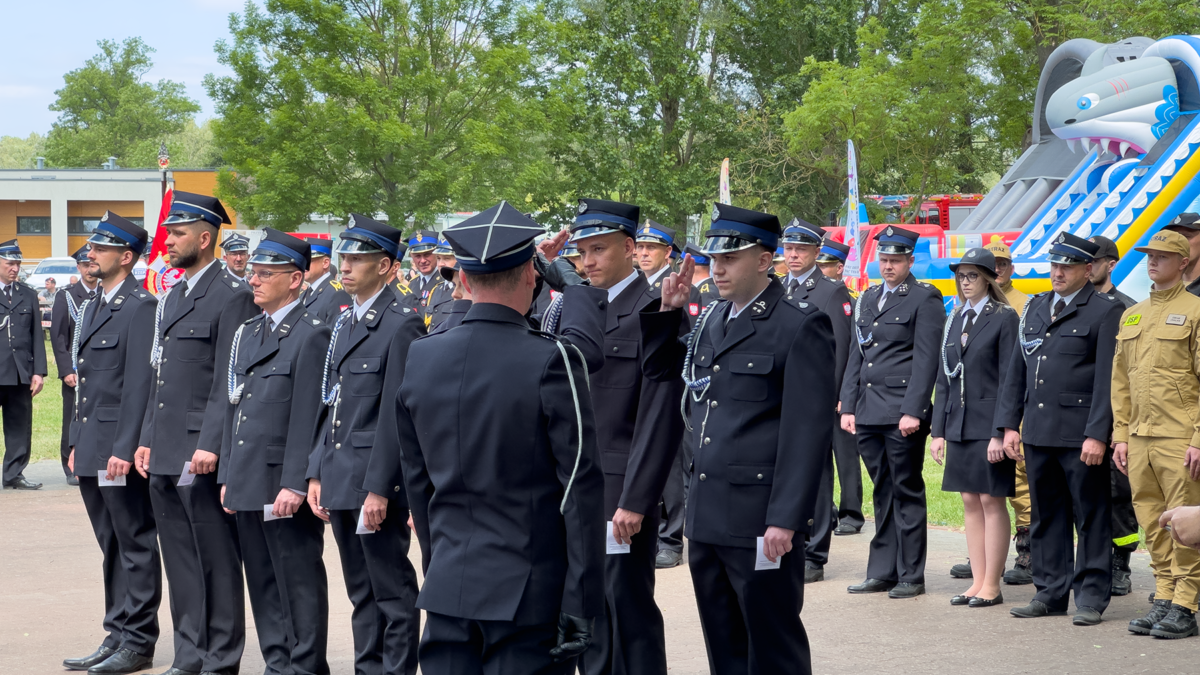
(111, 354)
(1057, 383)
(887, 403)
(506, 491)
(365, 358)
(22, 366)
(760, 393)
(324, 297)
(235, 250)
(64, 314)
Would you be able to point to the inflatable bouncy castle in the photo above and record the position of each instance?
(1114, 153)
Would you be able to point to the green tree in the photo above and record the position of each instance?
(21, 153)
(409, 108)
(108, 110)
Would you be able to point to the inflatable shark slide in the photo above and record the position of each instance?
(1114, 153)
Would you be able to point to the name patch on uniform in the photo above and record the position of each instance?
(1133, 319)
(846, 308)
(1176, 319)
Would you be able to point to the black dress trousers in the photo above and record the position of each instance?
(454, 646)
(16, 407)
(894, 462)
(64, 446)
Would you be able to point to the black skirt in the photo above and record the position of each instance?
(968, 470)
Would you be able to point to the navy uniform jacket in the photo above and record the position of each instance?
(491, 437)
(985, 356)
(454, 317)
(114, 377)
(188, 393)
(654, 292)
(707, 288)
(893, 374)
(406, 296)
(638, 426)
(368, 360)
(763, 429)
(22, 341)
(833, 298)
(326, 300)
(437, 303)
(62, 326)
(1062, 390)
(271, 432)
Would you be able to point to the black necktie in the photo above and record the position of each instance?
(96, 312)
(718, 325)
(8, 293)
(1058, 309)
(968, 322)
(793, 285)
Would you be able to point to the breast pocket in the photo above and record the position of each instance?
(194, 344)
(1172, 348)
(1074, 340)
(749, 379)
(703, 357)
(621, 368)
(103, 354)
(365, 376)
(23, 317)
(277, 383)
(895, 326)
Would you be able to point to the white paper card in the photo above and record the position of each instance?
(762, 562)
(119, 481)
(187, 476)
(613, 546)
(268, 516)
(362, 528)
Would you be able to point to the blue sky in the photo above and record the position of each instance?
(45, 39)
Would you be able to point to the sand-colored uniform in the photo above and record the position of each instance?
(1155, 394)
(1021, 505)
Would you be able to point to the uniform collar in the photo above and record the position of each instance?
(191, 281)
(734, 311)
(281, 313)
(1163, 296)
(319, 281)
(1066, 299)
(490, 311)
(801, 278)
(621, 285)
(360, 310)
(651, 278)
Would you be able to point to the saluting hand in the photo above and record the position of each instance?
(677, 286)
(550, 247)
(314, 499)
(1121, 457)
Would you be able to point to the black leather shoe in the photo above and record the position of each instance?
(813, 573)
(95, 657)
(123, 661)
(960, 600)
(985, 602)
(22, 483)
(1179, 623)
(905, 590)
(871, 586)
(666, 559)
(73, 481)
(961, 570)
(178, 671)
(844, 529)
(1034, 610)
(1086, 616)
(1143, 624)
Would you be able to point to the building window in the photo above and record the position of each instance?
(33, 225)
(86, 224)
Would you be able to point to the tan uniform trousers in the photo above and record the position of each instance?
(1021, 505)
(1160, 482)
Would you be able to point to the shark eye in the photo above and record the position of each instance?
(1087, 100)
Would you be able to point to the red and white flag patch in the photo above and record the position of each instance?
(846, 308)
(694, 309)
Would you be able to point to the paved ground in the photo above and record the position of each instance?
(51, 599)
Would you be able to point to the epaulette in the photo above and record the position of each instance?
(799, 304)
(315, 321)
(927, 285)
(402, 288)
(252, 319)
(830, 280)
(336, 284)
(1107, 297)
(396, 307)
(230, 281)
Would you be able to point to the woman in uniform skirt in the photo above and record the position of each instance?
(976, 343)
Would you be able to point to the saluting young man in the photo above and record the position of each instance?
(181, 440)
(638, 431)
(701, 276)
(761, 391)
(274, 393)
(111, 349)
(887, 402)
(506, 491)
(1055, 399)
(364, 360)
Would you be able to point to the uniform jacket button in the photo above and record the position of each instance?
(712, 404)
(1041, 405)
(249, 395)
(703, 477)
(337, 446)
(337, 423)
(160, 406)
(810, 522)
(716, 369)
(870, 365)
(760, 476)
(85, 420)
(241, 442)
(397, 489)
(85, 400)
(868, 385)
(707, 441)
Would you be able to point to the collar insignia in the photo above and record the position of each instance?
(760, 307)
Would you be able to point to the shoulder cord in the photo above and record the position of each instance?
(578, 416)
(156, 347)
(1029, 346)
(553, 314)
(72, 308)
(331, 396)
(697, 387)
(958, 371)
(862, 341)
(75, 338)
(235, 389)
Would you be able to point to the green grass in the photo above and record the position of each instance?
(945, 508)
(47, 414)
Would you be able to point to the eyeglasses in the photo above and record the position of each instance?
(263, 275)
(967, 276)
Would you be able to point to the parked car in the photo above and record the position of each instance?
(61, 269)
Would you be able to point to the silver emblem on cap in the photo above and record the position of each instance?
(1061, 238)
(104, 218)
(970, 254)
(716, 212)
(350, 223)
(582, 206)
(890, 232)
